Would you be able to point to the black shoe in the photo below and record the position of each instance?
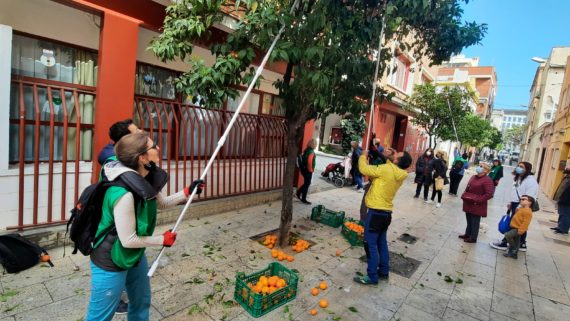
(122, 308)
(416, 196)
(383, 276)
(364, 280)
(522, 247)
(298, 196)
(560, 232)
(554, 228)
(305, 202)
(512, 255)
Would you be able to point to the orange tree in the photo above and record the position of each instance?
(328, 47)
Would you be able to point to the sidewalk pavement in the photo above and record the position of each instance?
(196, 278)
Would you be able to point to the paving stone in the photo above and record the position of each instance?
(471, 304)
(516, 308)
(548, 310)
(24, 299)
(475, 284)
(516, 287)
(478, 269)
(72, 285)
(410, 313)
(428, 300)
(550, 287)
(451, 314)
(499, 317)
(70, 309)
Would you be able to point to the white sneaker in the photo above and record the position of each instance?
(360, 190)
(438, 205)
(428, 202)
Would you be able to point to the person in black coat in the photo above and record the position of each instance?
(439, 166)
(423, 173)
(562, 198)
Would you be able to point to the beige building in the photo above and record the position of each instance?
(543, 102)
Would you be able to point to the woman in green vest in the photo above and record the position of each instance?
(127, 223)
(496, 172)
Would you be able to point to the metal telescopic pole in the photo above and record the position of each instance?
(223, 138)
(375, 84)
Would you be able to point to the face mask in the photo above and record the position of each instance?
(519, 170)
(428, 153)
(151, 166)
(479, 170)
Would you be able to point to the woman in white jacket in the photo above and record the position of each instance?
(525, 184)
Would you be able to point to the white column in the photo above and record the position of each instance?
(5, 65)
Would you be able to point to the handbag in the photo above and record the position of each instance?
(505, 223)
(439, 184)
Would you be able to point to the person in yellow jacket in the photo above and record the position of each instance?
(385, 181)
(519, 225)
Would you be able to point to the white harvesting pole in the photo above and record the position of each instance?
(223, 138)
(375, 84)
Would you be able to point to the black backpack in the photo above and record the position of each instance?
(86, 216)
(301, 163)
(18, 254)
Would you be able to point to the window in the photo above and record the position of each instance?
(548, 116)
(400, 73)
(251, 104)
(44, 63)
(272, 105)
(155, 82)
(336, 136)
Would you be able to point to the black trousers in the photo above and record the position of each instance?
(304, 189)
(454, 180)
(426, 190)
(434, 193)
(472, 229)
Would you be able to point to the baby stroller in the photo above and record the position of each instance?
(338, 173)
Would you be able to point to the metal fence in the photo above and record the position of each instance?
(251, 160)
(51, 132)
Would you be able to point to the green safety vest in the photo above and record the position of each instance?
(145, 211)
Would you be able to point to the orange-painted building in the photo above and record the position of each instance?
(71, 68)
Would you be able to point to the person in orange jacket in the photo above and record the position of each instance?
(519, 225)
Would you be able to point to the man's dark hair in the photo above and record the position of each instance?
(405, 161)
(120, 129)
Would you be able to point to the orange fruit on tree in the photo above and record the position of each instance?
(314, 312)
(323, 285)
(314, 291)
(323, 303)
(290, 259)
(274, 253)
(337, 252)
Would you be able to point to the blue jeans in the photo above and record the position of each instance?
(358, 179)
(375, 235)
(564, 218)
(106, 288)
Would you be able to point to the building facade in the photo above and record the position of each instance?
(460, 69)
(544, 98)
(558, 145)
(391, 124)
(70, 69)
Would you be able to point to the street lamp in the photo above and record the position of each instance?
(538, 59)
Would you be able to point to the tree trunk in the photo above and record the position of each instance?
(293, 135)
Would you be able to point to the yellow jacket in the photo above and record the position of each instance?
(386, 180)
(521, 219)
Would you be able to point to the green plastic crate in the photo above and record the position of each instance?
(328, 217)
(351, 236)
(257, 304)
